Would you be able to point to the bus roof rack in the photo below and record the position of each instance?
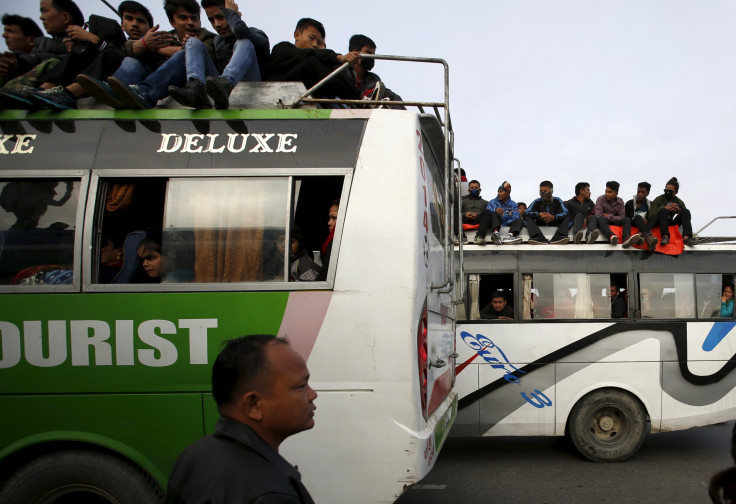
(714, 239)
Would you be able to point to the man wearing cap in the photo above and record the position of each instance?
(503, 212)
(547, 210)
(637, 209)
(669, 210)
(609, 209)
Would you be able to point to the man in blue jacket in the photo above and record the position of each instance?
(547, 210)
(501, 211)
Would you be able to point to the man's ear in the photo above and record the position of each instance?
(67, 18)
(297, 33)
(250, 406)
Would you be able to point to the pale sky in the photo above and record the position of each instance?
(572, 90)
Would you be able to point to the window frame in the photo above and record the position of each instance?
(98, 177)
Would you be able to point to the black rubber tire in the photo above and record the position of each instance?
(81, 476)
(608, 425)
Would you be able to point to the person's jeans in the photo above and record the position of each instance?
(172, 73)
(243, 65)
(132, 71)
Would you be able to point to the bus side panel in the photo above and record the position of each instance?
(128, 424)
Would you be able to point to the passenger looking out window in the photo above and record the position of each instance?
(727, 301)
(498, 308)
(618, 302)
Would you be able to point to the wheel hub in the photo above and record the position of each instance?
(605, 423)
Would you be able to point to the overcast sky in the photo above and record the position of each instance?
(574, 90)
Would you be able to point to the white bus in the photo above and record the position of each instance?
(105, 375)
(563, 365)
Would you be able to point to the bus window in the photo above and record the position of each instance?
(481, 290)
(225, 229)
(37, 226)
(569, 295)
(709, 289)
(669, 295)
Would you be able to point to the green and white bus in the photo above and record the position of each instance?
(105, 379)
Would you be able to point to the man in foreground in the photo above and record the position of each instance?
(261, 387)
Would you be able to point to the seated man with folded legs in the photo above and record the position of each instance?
(609, 209)
(502, 212)
(637, 209)
(582, 214)
(547, 210)
(238, 51)
(669, 210)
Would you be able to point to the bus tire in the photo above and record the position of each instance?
(81, 476)
(608, 425)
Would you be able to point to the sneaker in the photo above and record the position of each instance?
(131, 97)
(511, 239)
(100, 91)
(56, 98)
(579, 237)
(631, 240)
(219, 89)
(592, 237)
(465, 239)
(639, 239)
(479, 240)
(496, 238)
(11, 99)
(665, 240)
(689, 241)
(614, 240)
(652, 241)
(561, 241)
(377, 94)
(193, 94)
(537, 242)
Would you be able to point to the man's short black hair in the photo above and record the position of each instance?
(645, 185)
(70, 8)
(305, 23)
(170, 7)
(613, 185)
(241, 366)
(358, 42)
(498, 294)
(213, 3)
(133, 7)
(27, 26)
(473, 182)
(521, 203)
(546, 183)
(580, 186)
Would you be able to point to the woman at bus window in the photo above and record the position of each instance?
(151, 259)
(327, 245)
(727, 301)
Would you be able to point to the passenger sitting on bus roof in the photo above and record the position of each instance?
(327, 245)
(637, 209)
(97, 52)
(240, 50)
(501, 211)
(302, 267)
(147, 48)
(609, 209)
(121, 94)
(261, 387)
(618, 302)
(727, 301)
(497, 308)
(20, 34)
(307, 60)
(547, 210)
(21, 70)
(365, 80)
(111, 255)
(522, 209)
(472, 206)
(669, 210)
(582, 215)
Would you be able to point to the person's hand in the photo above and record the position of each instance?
(546, 217)
(499, 211)
(79, 34)
(69, 43)
(724, 299)
(504, 318)
(8, 63)
(155, 39)
(349, 57)
(230, 4)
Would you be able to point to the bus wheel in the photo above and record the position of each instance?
(608, 425)
(81, 476)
